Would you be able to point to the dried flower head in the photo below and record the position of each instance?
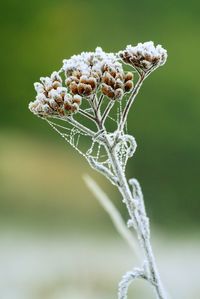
(94, 73)
(144, 56)
(87, 71)
(52, 98)
(116, 83)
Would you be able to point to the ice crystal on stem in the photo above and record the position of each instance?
(96, 86)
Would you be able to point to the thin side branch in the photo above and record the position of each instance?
(88, 115)
(100, 102)
(127, 279)
(130, 102)
(102, 169)
(107, 111)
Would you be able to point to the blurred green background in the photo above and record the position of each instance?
(41, 186)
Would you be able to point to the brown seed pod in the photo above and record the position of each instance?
(119, 76)
(53, 104)
(119, 93)
(61, 111)
(75, 107)
(88, 90)
(118, 84)
(77, 99)
(67, 105)
(96, 75)
(113, 72)
(76, 74)
(84, 79)
(104, 88)
(84, 89)
(68, 81)
(81, 88)
(128, 85)
(56, 84)
(92, 82)
(59, 100)
(108, 79)
(128, 76)
(73, 87)
(105, 68)
(107, 90)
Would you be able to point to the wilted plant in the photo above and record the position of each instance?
(89, 91)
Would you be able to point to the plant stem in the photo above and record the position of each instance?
(153, 275)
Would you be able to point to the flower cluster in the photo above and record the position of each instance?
(144, 56)
(87, 71)
(52, 98)
(116, 83)
(92, 73)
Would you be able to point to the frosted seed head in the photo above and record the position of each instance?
(144, 55)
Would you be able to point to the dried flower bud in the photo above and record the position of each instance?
(71, 104)
(77, 99)
(118, 84)
(53, 104)
(128, 86)
(119, 93)
(73, 88)
(56, 84)
(56, 77)
(108, 91)
(47, 82)
(92, 82)
(39, 87)
(68, 81)
(67, 106)
(128, 76)
(84, 79)
(82, 88)
(53, 99)
(87, 90)
(108, 79)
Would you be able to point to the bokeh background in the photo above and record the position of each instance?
(56, 241)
